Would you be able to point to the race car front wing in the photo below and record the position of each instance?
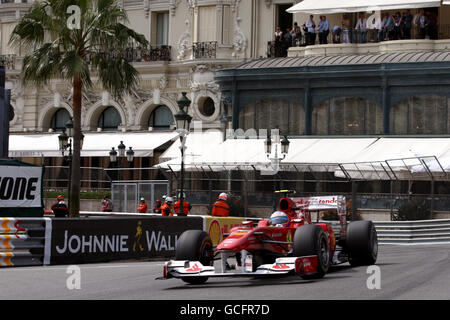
(301, 266)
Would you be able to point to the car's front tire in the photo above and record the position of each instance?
(310, 240)
(195, 245)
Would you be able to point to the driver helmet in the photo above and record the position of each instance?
(279, 219)
(223, 196)
(60, 197)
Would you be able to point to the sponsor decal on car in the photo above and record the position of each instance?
(194, 268)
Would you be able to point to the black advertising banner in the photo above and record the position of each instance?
(88, 240)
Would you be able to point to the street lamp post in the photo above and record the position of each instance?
(113, 154)
(115, 157)
(284, 148)
(183, 121)
(65, 142)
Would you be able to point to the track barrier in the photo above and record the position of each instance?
(108, 237)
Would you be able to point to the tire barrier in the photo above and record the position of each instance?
(22, 241)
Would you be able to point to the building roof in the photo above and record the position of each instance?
(349, 59)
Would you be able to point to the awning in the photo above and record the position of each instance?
(343, 6)
(196, 144)
(322, 155)
(96, 144)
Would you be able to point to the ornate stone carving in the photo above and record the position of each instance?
(239, 40)
(163, 82)
(183, 44)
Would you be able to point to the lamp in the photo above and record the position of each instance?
(285, 145)
(182, 118)
(69, 128)
(130, 155)
(63, 139)
(113, 155)
(121, 147)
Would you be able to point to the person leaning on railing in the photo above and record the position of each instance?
(361, 25)
(324, 30)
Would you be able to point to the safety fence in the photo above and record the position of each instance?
(22, 241)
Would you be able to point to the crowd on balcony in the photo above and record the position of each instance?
(399, 26)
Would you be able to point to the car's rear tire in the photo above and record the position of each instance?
(362, 243)
(310, 240)
(195, 245)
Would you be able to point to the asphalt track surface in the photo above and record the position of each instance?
(407, 272)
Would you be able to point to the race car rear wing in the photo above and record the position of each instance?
(320, 203)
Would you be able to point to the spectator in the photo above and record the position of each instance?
(361, 25)
(278, 40)
(324, 30)
(311, 31)
(382, 31)
(336, 32)
(287, 42)
(433, 25)
(345, 29)
(422, 22)
(60, 208)
(407, 24)
(221, 208)
(157, 208)
(389, 26)
(107, 205)
(142, 208)
(167, 208)
(296, 35)
(396, 32)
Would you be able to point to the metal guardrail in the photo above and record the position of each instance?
(413, 232)
(436, 231)
(22, 241)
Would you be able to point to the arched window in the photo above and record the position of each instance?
(424, 114)
(347, 116)
(59, 119)
(161, 118)
(109, 119)
(289, 117)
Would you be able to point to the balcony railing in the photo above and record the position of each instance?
(280, 49)
(8, 61)
(204, 50)
(138, 54)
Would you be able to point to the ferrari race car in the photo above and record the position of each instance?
(295, 246)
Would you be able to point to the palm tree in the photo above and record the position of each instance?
(60, 51)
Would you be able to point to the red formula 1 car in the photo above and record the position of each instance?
(299, 246)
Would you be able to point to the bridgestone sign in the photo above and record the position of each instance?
(20, 187)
